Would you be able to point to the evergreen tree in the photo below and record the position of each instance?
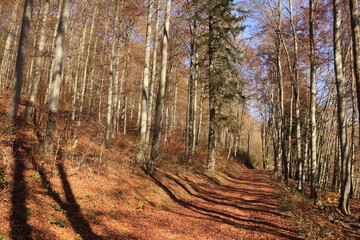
(223, 22)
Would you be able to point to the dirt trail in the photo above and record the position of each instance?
(120, 205)
(239, 208)
(168, 206)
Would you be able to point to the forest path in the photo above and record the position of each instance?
(74, 205)
(237, 208)
(123, 204)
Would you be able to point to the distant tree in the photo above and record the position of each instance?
(113, 75)
(5, 62)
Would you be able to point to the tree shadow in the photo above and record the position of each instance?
(20, 229)
(228, 218)
(72, 209)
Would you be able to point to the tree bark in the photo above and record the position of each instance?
(342, 118)
(34, 85)
(113, 69)
(145, 90)
(7, 51)
(314, 160)
(57, 74)
(161, 93)
(85, 74)
(153, 71)
(20, 60)
(355, 28)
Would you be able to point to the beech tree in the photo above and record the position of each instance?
(342, 118)
(161, 92)
(145, 103)
(20, 60)
(55, 83)
(34, 85)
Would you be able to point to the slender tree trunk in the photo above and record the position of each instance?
(192, 91)
(153, 72)
(211, 161)
(314, 161)
(125, 82)
(20, 60)
(342, 119)
(289, 151)
(161, 93)
(93, 73)
(355, 28)
(85, 74)
(7, 51)
(38, 64)
(145, 90)
(57, 74)
(113, 69)
(78, 71)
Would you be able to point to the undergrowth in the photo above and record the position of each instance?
(311, 222)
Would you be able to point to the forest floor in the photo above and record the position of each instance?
(89, 192)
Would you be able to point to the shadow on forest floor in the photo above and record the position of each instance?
(221, 206)
(20, 214)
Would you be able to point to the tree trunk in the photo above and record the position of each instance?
(314, 161)
(145, 90)
(161, 93)
(57, 74)
(124, 86)
(85, 74)
(20, 60)
(342, 119)
(34, 85)
(7, 51)
(153, 72)
(113, 69)
(355, 28)
(78, 71)
(192, 90)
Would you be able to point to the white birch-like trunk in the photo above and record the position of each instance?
(78, 72)
(145, 90)
(153, 72)
(7, 51)
(114, 46)
(161, 93)
(341, 110)
(57, 74)
(314, 162)
(85, 74)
